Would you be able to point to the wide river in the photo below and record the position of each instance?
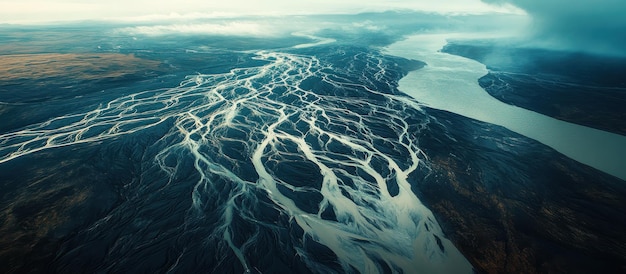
(449, 82)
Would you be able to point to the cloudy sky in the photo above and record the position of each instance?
(597, 26)
(588, 25)
(33, 11)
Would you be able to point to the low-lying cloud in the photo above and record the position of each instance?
(42, 11)
(226, 29)
(597, 26)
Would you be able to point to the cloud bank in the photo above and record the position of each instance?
(39, 11)
(231, 28)
(597, 26)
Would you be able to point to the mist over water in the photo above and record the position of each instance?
(584, 26)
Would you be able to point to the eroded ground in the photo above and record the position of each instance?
(78, 66)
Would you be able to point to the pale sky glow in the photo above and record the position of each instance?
(38, 11)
